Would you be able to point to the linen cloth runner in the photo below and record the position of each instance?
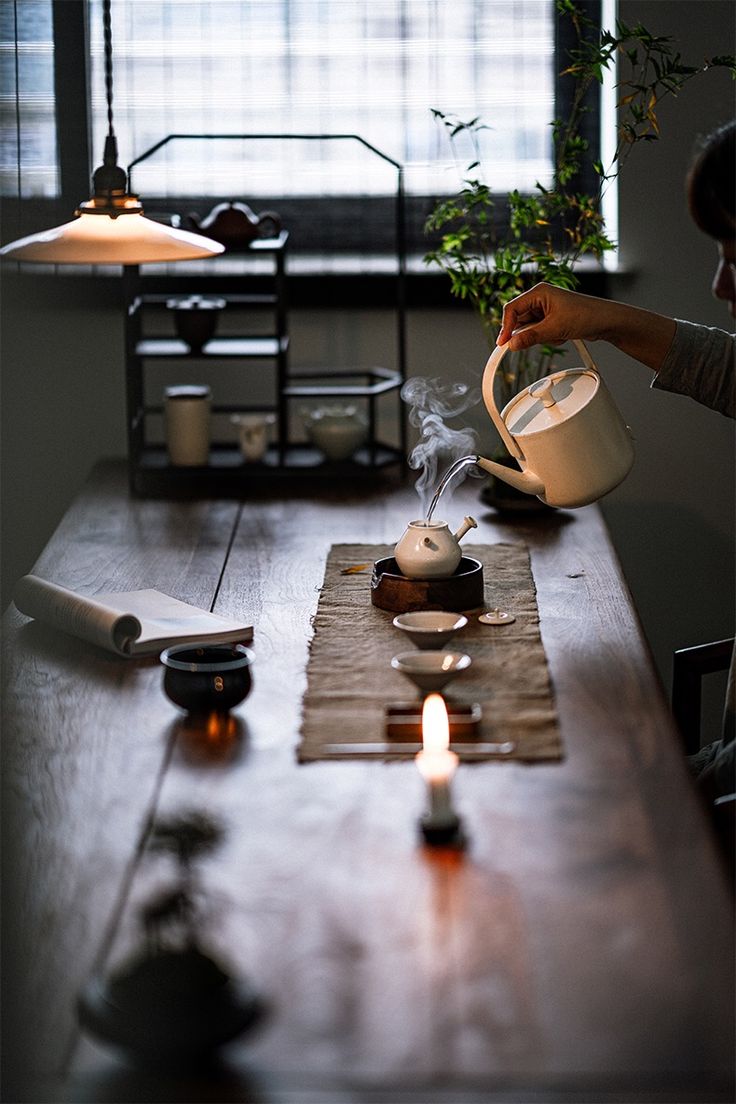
(350, 680)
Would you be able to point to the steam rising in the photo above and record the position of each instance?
(431, 402)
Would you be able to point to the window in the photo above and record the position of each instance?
(28, 157)
(374, 68)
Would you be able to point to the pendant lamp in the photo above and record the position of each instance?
(110, 228)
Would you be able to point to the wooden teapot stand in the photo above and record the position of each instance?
(392, 591)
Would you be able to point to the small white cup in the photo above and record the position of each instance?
(253, 434)
(187, 413)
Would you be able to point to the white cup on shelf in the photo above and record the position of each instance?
(187, 418)
(253, 434)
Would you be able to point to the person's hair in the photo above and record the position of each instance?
(711, 184)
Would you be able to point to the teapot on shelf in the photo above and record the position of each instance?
(566, 433)
(430, 550)
(235, 225)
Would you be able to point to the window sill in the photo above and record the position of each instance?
(314, 282)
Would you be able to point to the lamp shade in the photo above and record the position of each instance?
(94, 238)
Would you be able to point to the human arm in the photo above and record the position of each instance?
(551, 315)
(701, 363)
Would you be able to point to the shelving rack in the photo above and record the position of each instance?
(228, 277)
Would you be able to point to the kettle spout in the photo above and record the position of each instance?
(525, 481)
(468, 523)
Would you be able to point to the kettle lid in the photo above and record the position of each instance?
(551, 400)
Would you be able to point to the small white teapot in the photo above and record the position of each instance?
(430, 551)
(566, 432)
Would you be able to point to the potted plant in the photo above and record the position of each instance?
(492, 250)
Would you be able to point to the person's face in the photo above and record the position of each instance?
(724, 281)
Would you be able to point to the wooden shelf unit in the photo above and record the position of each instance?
(227, 473)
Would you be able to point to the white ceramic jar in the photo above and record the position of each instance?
(337, 430)
(187, 418)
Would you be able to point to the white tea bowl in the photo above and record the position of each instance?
(430, 671)
(430, 628)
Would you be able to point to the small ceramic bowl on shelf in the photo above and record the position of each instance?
(207, 678)
(337, 430)
(430, 629)
(431, 671)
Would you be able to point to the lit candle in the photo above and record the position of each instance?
(437, 764)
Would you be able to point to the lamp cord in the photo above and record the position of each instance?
(109, 180)
(107, 31)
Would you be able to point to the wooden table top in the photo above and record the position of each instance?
(579, 950)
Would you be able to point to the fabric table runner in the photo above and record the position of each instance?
(350, 681)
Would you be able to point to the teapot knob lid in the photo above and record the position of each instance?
(542, 389)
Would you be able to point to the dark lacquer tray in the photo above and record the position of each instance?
(390, 590)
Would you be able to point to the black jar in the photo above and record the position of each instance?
(206, 678)
(195, 318)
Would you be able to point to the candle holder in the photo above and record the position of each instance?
(451, 834)
(440, 826)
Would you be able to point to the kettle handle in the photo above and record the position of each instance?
(489, 375)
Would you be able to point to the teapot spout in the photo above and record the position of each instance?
(525, 481)
(468, 523)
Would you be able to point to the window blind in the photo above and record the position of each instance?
(371, 67)
(28, 160)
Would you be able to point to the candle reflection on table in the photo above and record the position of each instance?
(437, 764)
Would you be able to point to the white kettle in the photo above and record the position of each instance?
(566, 433)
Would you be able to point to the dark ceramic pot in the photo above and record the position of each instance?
(195, 318)
(207, 678)
(235, 225)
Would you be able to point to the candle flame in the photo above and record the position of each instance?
(435, 725)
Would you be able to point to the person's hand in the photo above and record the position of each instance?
(551, 316)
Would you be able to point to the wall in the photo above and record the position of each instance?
(673, 519)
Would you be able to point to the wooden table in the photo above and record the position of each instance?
(580, 950)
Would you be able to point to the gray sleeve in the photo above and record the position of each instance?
(701, 363)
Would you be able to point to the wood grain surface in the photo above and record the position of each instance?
(579, 950)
